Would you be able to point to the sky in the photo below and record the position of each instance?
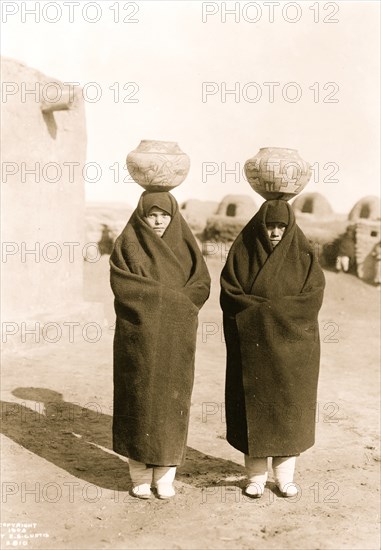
(305, 75)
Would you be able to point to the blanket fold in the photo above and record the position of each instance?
(271, 299)
(159, 283)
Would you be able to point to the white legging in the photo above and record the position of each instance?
(283, 468)
(140, 473)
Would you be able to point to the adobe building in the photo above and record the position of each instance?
(196, 212)
(312, 204)
(43, 194)
(365, 218)
(367, 208)
(233, 213)
(237, 206)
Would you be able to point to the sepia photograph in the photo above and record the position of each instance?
(190, 275)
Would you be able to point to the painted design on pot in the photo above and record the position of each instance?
(277, 173)
(158, 165)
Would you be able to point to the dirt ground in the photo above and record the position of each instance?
(63, 487)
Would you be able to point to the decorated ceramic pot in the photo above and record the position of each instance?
(277, 173)
(158, 165)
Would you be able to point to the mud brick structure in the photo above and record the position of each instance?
(368, 235)
(233, 213)
(365, 220)
(196, 212)
(367, 208)
(312, 204)
(43, 194)
(237, 206)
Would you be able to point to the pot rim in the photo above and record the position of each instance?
(158, 146)
(279, 148)
(157, 141)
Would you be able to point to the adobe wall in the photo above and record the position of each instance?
(46, 206)
(368, 235)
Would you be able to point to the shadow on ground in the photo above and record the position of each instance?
(79, 440)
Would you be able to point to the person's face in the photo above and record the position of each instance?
(158, 219)
(275, 232)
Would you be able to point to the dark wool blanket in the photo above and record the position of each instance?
(159, 283)
(270, 300)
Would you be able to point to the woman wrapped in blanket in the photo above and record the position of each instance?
(160, 281)
(272, 291)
